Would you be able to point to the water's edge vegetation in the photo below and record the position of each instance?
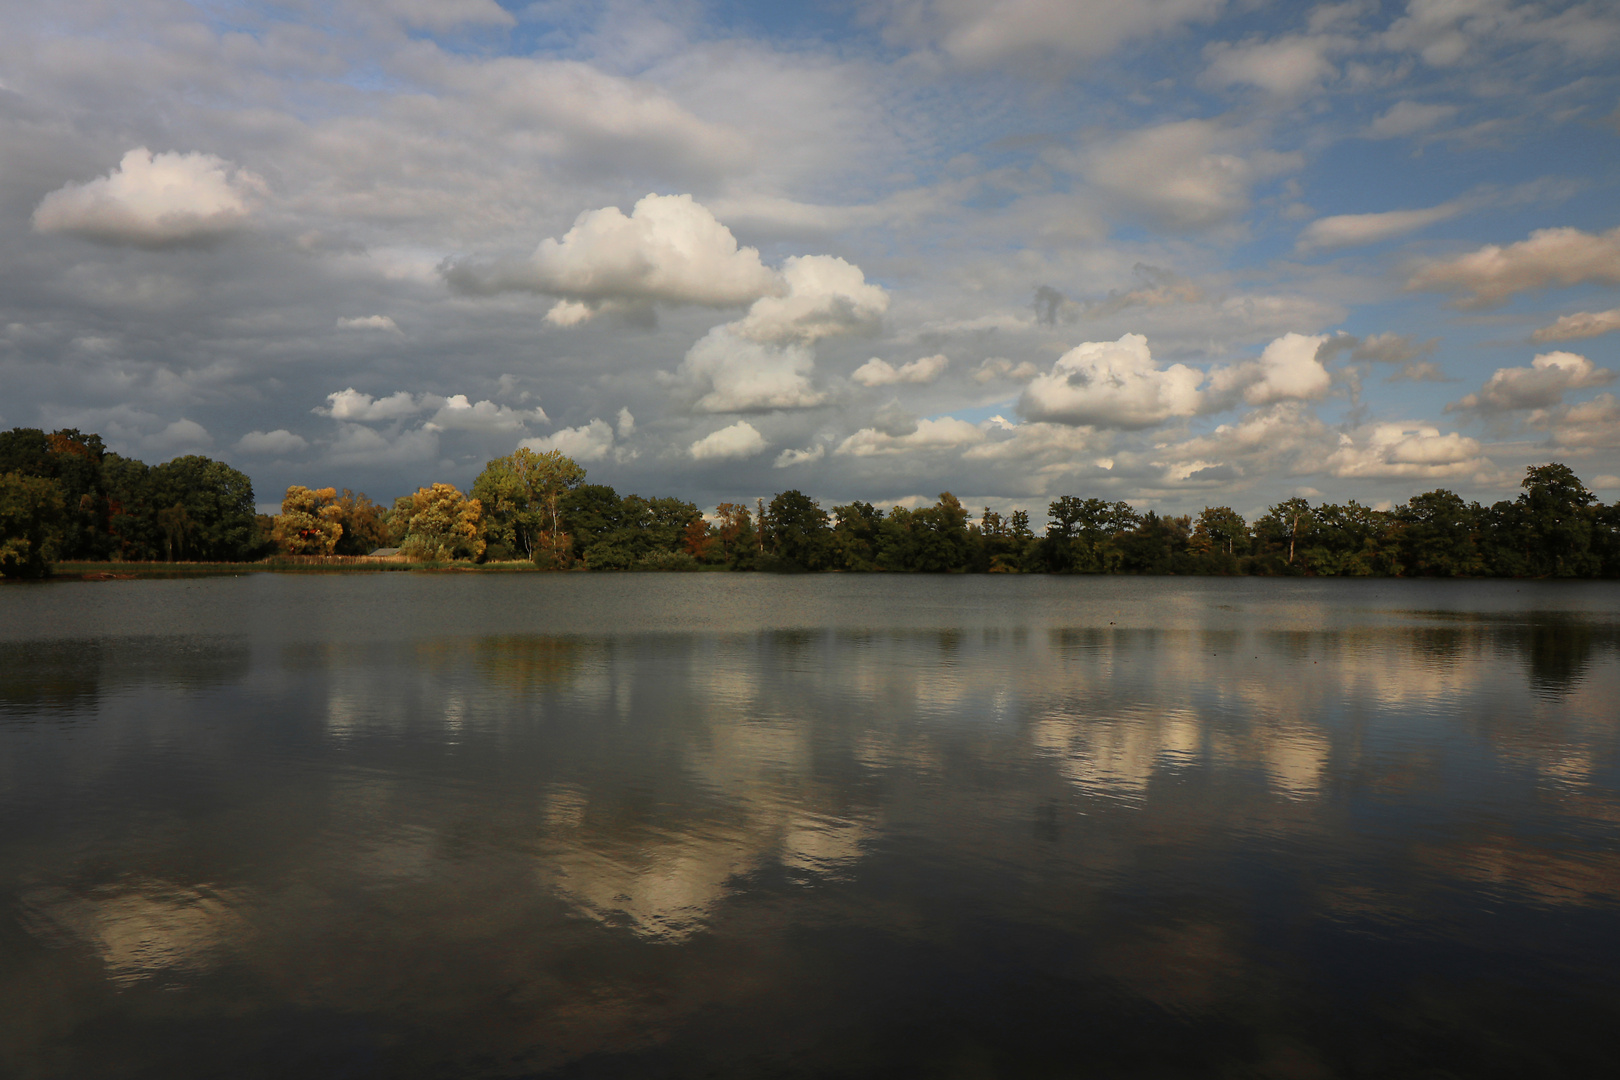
(70, 505)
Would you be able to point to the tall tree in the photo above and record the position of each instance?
(1555, 514)
(522, 495)
(438, 522)
(800, 533)
(32, 521)
(1437, 535)
(310, 522)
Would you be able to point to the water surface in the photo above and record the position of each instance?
(747, 825)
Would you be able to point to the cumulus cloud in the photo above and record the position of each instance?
(822, 296)
(670, 249)
(788, 458)
(999, 367)
(980, 34)
(1043, 448)
(351, 404)
(733, 374)
(740, 440)
(279, 441)
(453, 413)
(1404, 450)
(369, 322)
(588, 442)
(1539, 386)
(1589, 425)
(944, 433)
(1350, 230)
(1489, 276)
(1284, 66)
(155, 201)
(1189, 174)
(1290, 369)
(456, 413)
(1409, 118)
(1582, 324)
(1113, 384)
(878, 372)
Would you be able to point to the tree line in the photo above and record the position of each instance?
(64, 496)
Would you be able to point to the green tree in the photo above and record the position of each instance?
(1078, 532)
(1437, 535)
(218, 504)
(800, 533)
(1556, 520)
(73, 459)
(1158, 545)
(941, 542)
(1281, 534)
(32, 521)
(523, 495)
(855, 536)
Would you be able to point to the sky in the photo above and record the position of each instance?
(1182, 253)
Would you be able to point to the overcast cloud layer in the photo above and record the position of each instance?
(1178, 252)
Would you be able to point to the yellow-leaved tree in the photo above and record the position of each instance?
(309, 522)
(438, 522)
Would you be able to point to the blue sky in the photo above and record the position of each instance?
(1179, 252)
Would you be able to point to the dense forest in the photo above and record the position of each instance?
(64, 496)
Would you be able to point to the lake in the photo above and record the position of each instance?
(733, 825)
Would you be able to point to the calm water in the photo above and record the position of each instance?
(745, 826)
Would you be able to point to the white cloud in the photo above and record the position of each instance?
(1289, 369)
(588, 442)
(1284, 66)
(1589, 425)
(877, 372)
(944, 433)
(977, 33)
(789, 458)
(269, 443)
(1187, 174)
(1046, 447)
(1112, 384)
(456, 413)
(627, 423)
(1404, 450)
(369, 322)
(1409, 118)
(1582, 324)
(1550, 256)
(668, 250)
(1349, 230)
(154, 201)
(822, 296)
(733, 374)
(740, 440)
(1539, 386)
(351, 404)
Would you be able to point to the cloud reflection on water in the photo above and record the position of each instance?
(564, 845)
